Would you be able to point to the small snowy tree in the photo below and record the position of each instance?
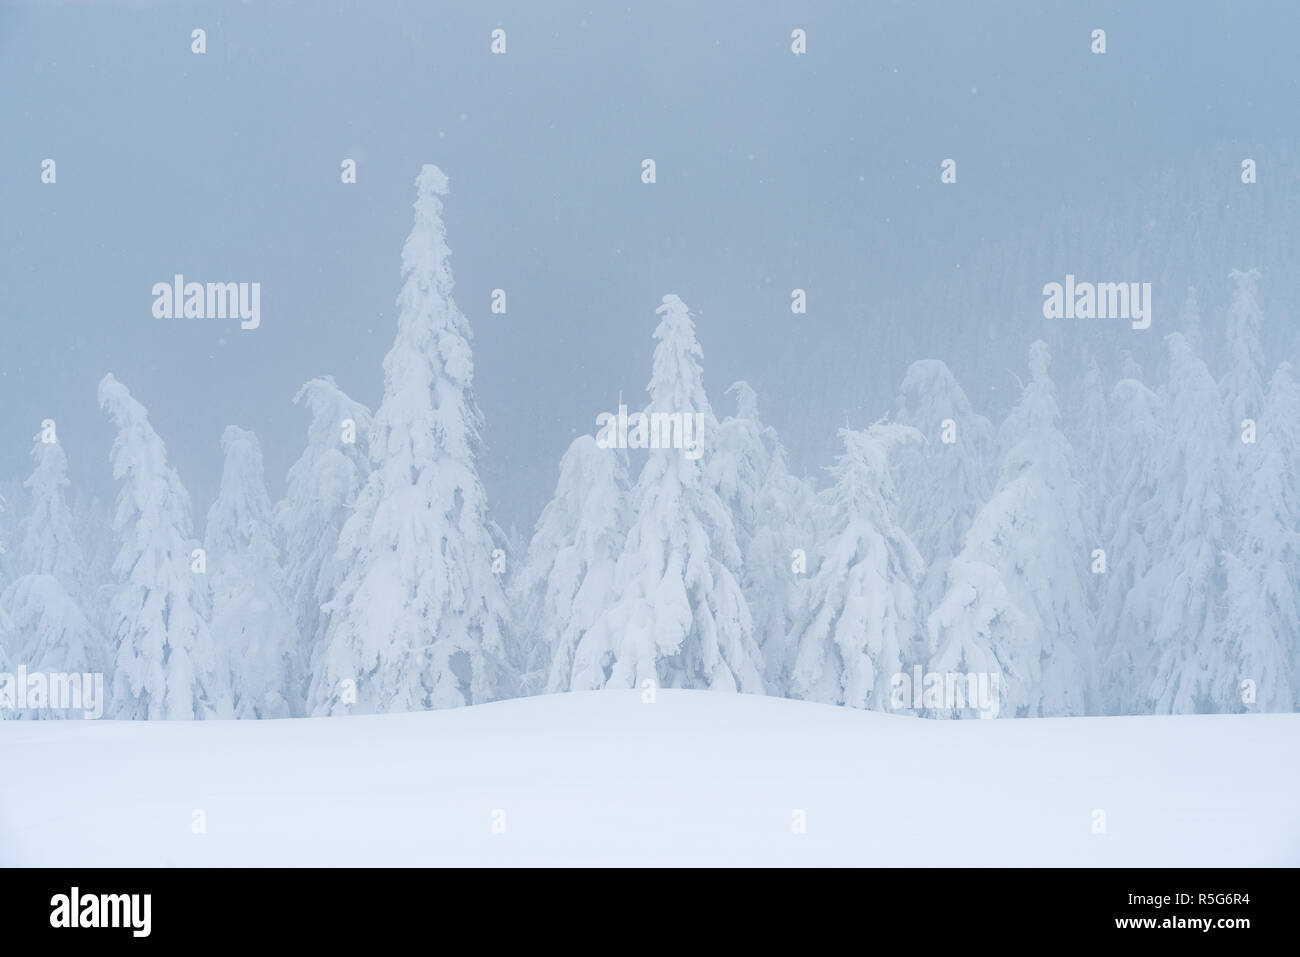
(1243, 382)
(257, 645)
(419, 619)
(976, 629)
(46, 631)
(567, 578)
(50, 543)
(861, 616)
(322, 488)
(1190, 321)
(678, 617)
(165, 665)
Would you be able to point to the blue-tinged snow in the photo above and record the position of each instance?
(694, 778)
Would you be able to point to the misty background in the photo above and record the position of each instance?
(775, 172)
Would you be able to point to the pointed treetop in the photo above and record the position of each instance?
(428, 279)
(862, 477)
(1036, 411)
(240, 441)
(924, 375)
(1091, 369)
(871, 447)
(117, 398)
(1179, 350)
(51, 464)
(1245, 279)
(243, 491)
(746, 400)
(432, 181)
(1130, 369)
(1040, 357)
(49, 544)
(317, 392)
(677, 381)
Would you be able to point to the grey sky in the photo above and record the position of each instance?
(774, 172)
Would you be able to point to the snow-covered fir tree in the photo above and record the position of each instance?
(253, 629)
(775, 548)
(1172, 612)
(1089, 430)
(11, 492)
(1032, 534)
(419, 618)
(1130, 368)
(165, 664)
(1189, 321)
(93, 521)
(860, 620)
(6, 626)
(44, 629)
(677, 615)
(47, 630)
(567, 576)
(976, 629)
(50, 543)
(740, 459)
(772, 514)
(1248, 668)
(320, 493)
(1129, 476)
(1088, 436)
(943, 481)
(1243, 379)
(1263, 587)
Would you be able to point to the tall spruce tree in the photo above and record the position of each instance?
(1026, 550)
(677, 616)
(1169, 650)
(419, 619)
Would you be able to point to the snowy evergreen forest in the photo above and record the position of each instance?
(1135, 552)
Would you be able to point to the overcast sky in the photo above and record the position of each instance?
(774, 172)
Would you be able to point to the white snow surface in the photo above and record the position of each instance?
(695, 778)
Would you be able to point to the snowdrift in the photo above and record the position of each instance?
(695, 778)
